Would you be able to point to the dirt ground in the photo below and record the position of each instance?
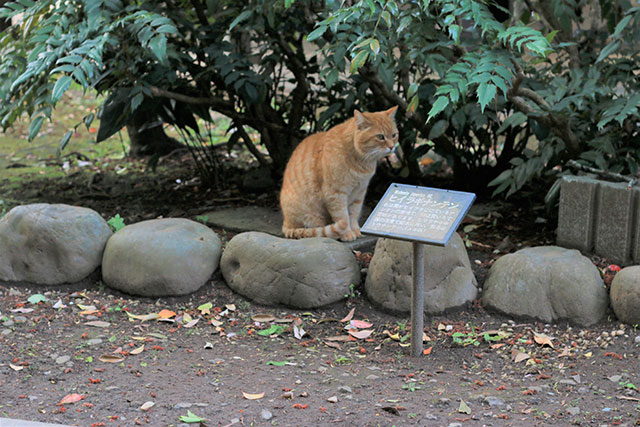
(86, 355)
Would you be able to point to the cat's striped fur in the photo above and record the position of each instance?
(327, 176)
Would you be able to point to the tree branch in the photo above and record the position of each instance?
(252, 148)
(560, 126)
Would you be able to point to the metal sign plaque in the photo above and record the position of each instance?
(418, 214)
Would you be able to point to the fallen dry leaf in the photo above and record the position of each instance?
(363, 334)
(263, 318)
(333, 345)
(252, 396)
(138, 350)
(427, 351)
(543, 339)
(340, 338)
(517, 356)
(15, 367)
(71, 398)
(147, 405)
(395, 337)
(360, 324)
(191, 323)
(349, 316)
(111, 358)
(143, 317)
(565, 352)
(230, 307)
(98, 324)
(166, 314)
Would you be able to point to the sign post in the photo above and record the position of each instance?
(420, 215)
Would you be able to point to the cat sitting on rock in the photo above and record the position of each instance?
(326, 178)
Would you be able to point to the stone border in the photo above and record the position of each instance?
(600, 217)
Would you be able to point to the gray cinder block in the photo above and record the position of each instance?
(576, 216)
(613, 227)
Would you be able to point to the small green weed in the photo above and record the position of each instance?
(628, 385)
(116, 223)
(353, 292)
(202, 218)
(342, 360)
(411, 386)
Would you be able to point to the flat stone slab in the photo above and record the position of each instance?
(265, 220)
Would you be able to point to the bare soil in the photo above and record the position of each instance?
(88, 343)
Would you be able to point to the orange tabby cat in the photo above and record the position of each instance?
(327, 176)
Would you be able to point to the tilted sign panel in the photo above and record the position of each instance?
(422, 214)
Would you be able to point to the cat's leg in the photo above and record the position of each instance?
(336, 204)
(355, 209)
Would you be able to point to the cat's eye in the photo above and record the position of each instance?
(380, 137)
(394, 135)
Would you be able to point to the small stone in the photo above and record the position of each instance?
(345, 389)
(94, 341)
(637, 339)
(14, 292)
(8, 323)
(430, 417)
(372, 377)
(455, 425)
(62, 359)
(573, 410)
(583, 390)
(567, 382)
(182, 405)
(266, 415)
(19, 319)
(493, 401)
(606, 409)
(605, 333)
(333, 399)
(615, 378)
(6, 331)
(576, 378)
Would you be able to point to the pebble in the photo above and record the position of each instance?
(182, 405)
(567, 382)
(14, 292)
(94, 341)
(430, 417)
(493, 401)
(372, 377)
(345, 389)
(266, 415)
(8, 323)
(62, 359)
(606, 409)
(332, 399)
(576, 378)
(573, 410)
(615, 378)
(455, 425)
(637, 340)
(6, 331)
(19, 319)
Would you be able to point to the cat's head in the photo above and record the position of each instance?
(376, 134)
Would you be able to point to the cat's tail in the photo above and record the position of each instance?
(331, 230)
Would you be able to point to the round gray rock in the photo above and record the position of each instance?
(448, 279)
(161, 257)
(51, 244)
(547, 283)
(304, 273)
(625, 295)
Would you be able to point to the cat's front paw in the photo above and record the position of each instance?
(348, 236)
(356, 230)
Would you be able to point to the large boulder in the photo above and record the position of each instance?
(161, 257)
(547, 283)
(448, 279)
(625, 295)
(51, 244)
(303, 273)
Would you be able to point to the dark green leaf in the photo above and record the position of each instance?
(438, 106)
(35, 126)
(64, 141)
(359, 60)
(317, 33)
(158, 46)
(60, 88)
(240, 18)
(486, 94)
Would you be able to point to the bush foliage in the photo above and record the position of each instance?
(503, 92)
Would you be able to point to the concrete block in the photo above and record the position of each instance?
(576, 216)
(613, 226)
(635, 249)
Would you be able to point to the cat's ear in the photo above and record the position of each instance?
(391, 112)
(361, 120)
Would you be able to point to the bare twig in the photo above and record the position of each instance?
(252, 148)
(631, 180)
